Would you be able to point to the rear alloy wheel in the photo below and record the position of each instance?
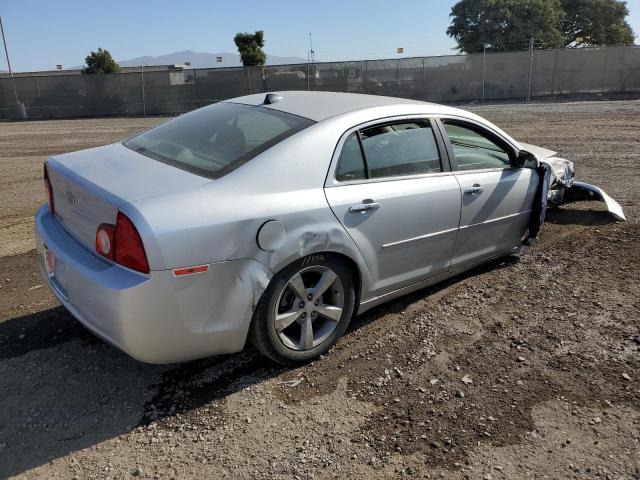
(305, 310)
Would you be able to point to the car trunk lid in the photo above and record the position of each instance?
(90, 185)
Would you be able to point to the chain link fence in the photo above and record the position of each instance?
(445, 79)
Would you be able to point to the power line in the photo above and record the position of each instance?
(6, 51)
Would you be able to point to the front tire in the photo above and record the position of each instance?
(305, 310)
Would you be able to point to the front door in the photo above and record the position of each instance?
(497, 198)
(401, 207)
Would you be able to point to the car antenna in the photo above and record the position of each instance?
(272, 98)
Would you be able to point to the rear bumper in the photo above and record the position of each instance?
(155, 318)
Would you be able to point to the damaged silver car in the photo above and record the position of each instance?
(278, 217)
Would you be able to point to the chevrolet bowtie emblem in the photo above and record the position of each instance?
(71, 198)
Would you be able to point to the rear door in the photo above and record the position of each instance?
(391, 187)
(497, 198)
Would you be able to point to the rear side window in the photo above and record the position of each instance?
(389, 150)
(473, 150)
(214, 140)
(400, 149)
(351, 163)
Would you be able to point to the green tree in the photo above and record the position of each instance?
(506, 24)
(100, 62)
(250, 48)
(598, 22)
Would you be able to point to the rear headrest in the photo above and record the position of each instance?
(230, 141)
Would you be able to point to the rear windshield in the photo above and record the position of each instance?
(214, 140)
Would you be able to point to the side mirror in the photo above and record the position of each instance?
(526, 160)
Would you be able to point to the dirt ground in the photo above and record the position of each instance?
(525, 368)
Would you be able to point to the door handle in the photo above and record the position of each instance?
(477, 189)
(366, 206)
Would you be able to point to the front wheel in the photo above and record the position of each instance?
(305, 310)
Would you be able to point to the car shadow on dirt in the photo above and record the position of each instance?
(576, 216)
(43, 329)
(56, 419)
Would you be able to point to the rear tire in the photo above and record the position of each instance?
(305, 310)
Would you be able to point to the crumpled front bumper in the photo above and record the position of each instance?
(155, 318)
(563, 188)
(581, 191)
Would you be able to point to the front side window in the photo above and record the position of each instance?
(214, 140)
(474, 150)
(400, 149)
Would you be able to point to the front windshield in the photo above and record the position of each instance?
(214, 140)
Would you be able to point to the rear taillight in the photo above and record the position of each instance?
(48, 190)
(122, 244)
(129, 251)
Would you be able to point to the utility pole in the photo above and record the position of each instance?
(484, 67)
(530, 82)
(144, 102)
(308, 69)
(310, 60)
(22, 113)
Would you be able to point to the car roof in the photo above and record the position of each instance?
(319, 106)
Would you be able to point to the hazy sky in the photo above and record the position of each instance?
(43, 33)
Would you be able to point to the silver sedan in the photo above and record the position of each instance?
(278, 217)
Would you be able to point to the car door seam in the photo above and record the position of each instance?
(455, 243)
(492, 220)
(421, 237)
(357, 249)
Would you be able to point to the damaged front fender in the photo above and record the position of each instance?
(558, 186)
(563, 188)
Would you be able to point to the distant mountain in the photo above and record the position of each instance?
(203, 60)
